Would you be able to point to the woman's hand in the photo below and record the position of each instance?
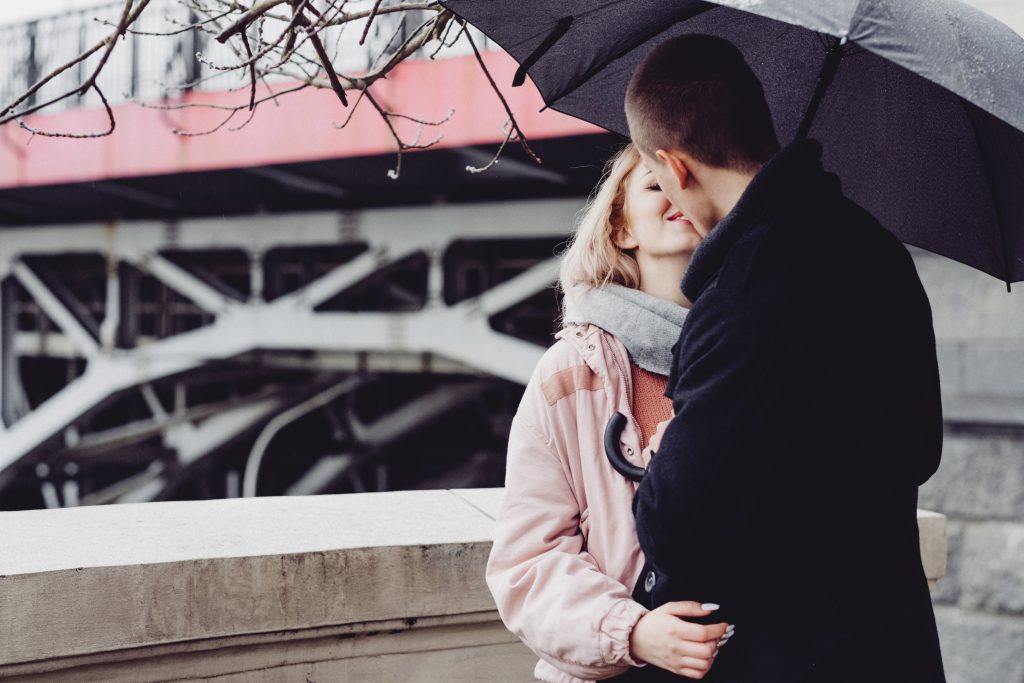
(654, 443)
(661, 638)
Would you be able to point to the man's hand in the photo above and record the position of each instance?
(664, 640)
(654, 443)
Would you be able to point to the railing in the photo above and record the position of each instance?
(359, 587)
(156, 67)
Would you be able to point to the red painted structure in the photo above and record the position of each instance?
(299, 129)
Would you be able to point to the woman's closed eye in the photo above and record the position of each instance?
(656, 187)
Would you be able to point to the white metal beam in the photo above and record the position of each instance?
(192, 442)
(132, 240)
(56, 310)
(282, 420)
(420, 411)
(336, 280)
(185, 283)
(460, 333)
(519, 288)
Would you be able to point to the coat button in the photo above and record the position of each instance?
(629, 450)
(579, 333)
(649, 582)
(590, 346)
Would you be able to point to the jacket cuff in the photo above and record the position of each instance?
(616, 628)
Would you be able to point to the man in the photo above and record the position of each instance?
(806, 394)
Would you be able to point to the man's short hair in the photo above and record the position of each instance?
(696, 94)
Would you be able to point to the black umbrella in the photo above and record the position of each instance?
(922, 113)
(919, 104)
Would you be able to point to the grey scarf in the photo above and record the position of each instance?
(646, 325)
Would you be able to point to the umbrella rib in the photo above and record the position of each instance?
(561, 28)
(995, 205)
(576, 83)
(833, 59)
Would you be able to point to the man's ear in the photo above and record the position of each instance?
(677, 164)
(623, 239)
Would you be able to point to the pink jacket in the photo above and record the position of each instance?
(565, 555)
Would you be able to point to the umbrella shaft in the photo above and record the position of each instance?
(833, 57)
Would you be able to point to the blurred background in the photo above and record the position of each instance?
(192, 313)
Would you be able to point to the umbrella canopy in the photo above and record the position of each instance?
(923, 119)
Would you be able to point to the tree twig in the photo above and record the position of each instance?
(391, 9)
(520, 136)
(252, 15)
(222, 107)
(128, 16)
(509, 132)
(332, 76)
(165, 34)
(369, 21)
(252, 71)
(400, 145)
(112, 124)
(284, 54)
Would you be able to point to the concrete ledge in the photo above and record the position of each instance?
(226, 587)
(462, 648)
(383, 586)
(932, 529)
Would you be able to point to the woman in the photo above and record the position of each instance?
(565, 556)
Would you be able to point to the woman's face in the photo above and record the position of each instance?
(654, 227)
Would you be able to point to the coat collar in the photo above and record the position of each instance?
(784, 179)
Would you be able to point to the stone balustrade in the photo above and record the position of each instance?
(361, 587)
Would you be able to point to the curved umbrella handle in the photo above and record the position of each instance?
(612, 433)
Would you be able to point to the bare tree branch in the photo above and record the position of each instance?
(404, 7)
(112, 124)
(275, 40)
(400, 145)
(252, 15)
(504, 103)
(369, 21)
(293, 22)
(509, 132)
(184, 29)
(224, 107)
(128, 17)
(325, 61)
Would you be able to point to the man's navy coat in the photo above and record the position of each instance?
(807, 405)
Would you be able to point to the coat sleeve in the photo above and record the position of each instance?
(549, 590)
(731, 386)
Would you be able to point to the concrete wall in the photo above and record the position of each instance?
(980, 483)
(381, 587)
(359, 587)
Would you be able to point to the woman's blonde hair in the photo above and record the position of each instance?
(592, 258)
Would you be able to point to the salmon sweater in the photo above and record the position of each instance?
(650, 405)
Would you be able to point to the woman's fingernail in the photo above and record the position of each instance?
(730, 629)
(710, 606)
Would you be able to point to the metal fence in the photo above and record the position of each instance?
(155, 67)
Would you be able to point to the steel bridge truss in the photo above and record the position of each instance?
(139, 358)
